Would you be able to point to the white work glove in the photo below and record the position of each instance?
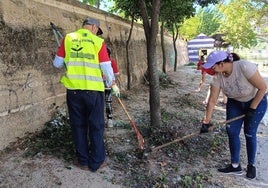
(115, 91)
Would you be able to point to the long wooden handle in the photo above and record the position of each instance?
(176, 140)
(232, 119)
(125, 110)
(195, 133)
(139, 136)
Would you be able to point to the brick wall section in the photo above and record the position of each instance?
(30, 88)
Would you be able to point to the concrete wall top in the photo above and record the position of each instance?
(65, 14)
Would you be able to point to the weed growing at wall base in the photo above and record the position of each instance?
(54, 139)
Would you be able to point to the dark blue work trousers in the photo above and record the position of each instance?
(86, 111)
(236, 108)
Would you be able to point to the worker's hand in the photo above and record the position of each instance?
(115, 91)
(249, 114)
(206, 127)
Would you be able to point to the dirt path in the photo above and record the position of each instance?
(262, 152)
(50, 172)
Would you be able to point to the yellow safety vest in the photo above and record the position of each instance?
(82, 61)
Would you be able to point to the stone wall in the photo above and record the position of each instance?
(30, 89)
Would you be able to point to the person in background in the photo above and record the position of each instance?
(203, 72)
(246, 91)
(85, 57)
(108, 95)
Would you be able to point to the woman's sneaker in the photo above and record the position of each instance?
(231, 170)
(251, 172)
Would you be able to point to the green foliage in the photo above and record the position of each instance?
(209, 21)
(55, 138)
(90, 2)
(204, 3)
(205, 21)
(126, 8)
(194, 181)
(191, 64)
(97, 3)
(121, 157)
(188, 100)
(189, 28)
(163, 178)
(175, 14)
(239, 32)
(260, 11)
(166, 116)
(164, 80)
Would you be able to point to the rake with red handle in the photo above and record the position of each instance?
(139, 136)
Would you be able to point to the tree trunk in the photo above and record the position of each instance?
(175, 37)
(175, 54)
(151, 30)
(127, 53)
(163, 48)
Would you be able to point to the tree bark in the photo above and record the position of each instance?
(163, 49)
(175, 37)
(151, 31)
(127, 53)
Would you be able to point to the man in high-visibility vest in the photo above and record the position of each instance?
(85, 57)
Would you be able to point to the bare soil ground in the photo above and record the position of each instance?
(192, 162)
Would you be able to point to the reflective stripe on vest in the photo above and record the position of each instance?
(81, 59)
(82, 64)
